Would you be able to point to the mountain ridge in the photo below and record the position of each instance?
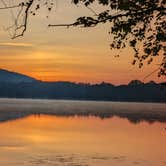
(9, 76)
(132, 82)
(27, 87)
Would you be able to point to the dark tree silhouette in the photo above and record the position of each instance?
(140, 24)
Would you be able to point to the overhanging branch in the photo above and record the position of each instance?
(9, 7)
(110, 17)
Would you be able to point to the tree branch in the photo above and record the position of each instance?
(9, 7)
(24, 25)
(110, 18)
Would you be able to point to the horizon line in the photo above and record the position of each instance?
(76, 82)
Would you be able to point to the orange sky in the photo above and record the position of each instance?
(74, 54)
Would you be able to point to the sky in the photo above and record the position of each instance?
(68, 54)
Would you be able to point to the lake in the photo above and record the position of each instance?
(30, 139)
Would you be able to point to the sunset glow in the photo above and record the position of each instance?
(68, 54)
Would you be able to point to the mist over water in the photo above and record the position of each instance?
(81, 133)
(134, 112)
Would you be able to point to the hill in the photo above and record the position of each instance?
(13, 77)
(15, 85)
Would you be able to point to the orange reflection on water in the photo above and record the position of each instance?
(43, 134)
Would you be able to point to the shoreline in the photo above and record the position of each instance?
(81, 100)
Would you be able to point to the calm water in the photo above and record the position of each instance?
(81, 141)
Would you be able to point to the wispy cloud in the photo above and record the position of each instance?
(16, 44)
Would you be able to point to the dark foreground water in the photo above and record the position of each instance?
(50, 140)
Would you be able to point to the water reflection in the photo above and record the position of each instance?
(81, 141)
(133, 118)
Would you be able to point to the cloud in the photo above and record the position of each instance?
(9, 48)
(16, 44)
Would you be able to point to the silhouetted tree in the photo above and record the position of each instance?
(140, 24)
